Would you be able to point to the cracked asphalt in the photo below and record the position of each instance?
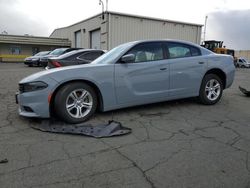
(173, 144)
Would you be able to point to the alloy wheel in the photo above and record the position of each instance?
(213, 89)
(79, 103)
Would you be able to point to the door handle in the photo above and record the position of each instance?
(163, 68)
(201, 62)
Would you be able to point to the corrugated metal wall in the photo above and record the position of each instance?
(119, 28)
(126, 28)
(86, 27)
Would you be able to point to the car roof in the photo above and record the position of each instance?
(168, 40)
(73, 52)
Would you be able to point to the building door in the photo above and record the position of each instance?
(95, 39)
(78, 40)
(35, 50)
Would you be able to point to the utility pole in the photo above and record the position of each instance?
(106, 5)
(205, 28)
(101, 3)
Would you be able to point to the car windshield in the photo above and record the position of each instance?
(243, 60)
(113, 54)
(58, 51)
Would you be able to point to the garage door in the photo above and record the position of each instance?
(95, 39)
(78, 39)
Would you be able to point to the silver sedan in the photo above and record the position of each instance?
(134, 73)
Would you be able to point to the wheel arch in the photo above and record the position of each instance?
(93, 85)
(220, 74)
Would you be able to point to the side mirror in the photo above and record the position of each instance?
(129, 58)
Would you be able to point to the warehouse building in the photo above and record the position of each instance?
(107, 30)
(14, 48)
(243, 53)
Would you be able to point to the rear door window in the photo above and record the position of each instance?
(179, 50)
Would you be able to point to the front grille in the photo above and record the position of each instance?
(27, 109)
(21, 88)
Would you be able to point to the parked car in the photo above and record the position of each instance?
(55, 53)
(242, 63)
(35, 59)
(75, 57)
(133, 73)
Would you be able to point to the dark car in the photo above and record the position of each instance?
(55, 53)
(35, 59)
(75, 57)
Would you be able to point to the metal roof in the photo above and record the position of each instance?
(24, 39)
(130, 15)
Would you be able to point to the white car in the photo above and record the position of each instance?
(242, 62)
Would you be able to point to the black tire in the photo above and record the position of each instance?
(211, 95)
(69, 95)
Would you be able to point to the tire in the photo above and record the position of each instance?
(211, 89)
(75, 102)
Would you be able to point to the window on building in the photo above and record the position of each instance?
(15, 50)
(35, 50)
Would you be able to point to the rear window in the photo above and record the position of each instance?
(90, 56)
(58, 51)
(68, 54)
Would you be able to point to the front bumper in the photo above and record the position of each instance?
(31, 62)
(35, 103)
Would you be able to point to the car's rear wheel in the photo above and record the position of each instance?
(75, 102)
(211, 89)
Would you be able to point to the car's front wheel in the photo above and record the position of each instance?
(75, 102)
(211, 89)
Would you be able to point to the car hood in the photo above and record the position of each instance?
(31, 57)
(65, 71)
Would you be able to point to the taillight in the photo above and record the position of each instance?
(56, 64)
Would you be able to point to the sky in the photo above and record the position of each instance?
(228, 20)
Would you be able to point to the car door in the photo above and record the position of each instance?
(144, 80)
(187, 67)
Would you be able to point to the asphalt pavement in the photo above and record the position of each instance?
(180, 144)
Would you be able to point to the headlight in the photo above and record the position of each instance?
(32, 86)
(35, 59)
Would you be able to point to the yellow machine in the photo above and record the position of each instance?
(217, 47)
